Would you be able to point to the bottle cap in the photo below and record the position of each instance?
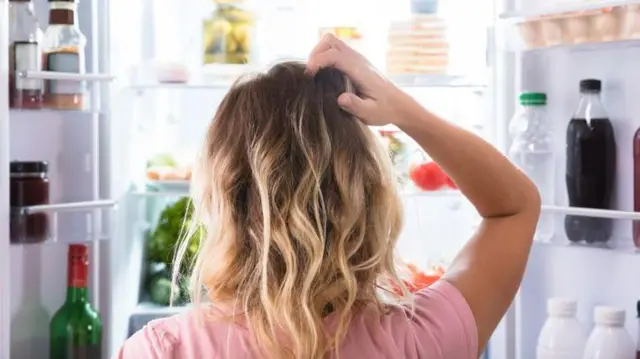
(562, 307)
(590, 85)
(29, 167)
(609, 316)
(533, 99)
(78, 250)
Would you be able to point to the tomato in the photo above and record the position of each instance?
(449, 183)
(427, 176)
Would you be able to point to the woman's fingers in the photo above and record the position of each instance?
(360, 108)
(329, 58)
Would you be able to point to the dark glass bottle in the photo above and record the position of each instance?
(76, 328)
(29, 186)
(636, 187)
(591, 165)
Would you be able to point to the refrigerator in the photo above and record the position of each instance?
(100, 194)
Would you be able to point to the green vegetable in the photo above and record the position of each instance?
(164, 240)
(162, 159)
(160, 289)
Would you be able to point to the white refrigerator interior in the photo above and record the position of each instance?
(97, 157)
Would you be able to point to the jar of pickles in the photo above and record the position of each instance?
(228, 33)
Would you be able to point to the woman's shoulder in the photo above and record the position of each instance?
(168, 337)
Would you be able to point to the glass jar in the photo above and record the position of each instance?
(397, 145)
(228, 34)
(29, 186)
(25, 38)
(63, 49)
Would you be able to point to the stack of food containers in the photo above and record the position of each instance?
(418, 46)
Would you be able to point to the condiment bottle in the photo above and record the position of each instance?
(25, 38)
(609, 339)
(29, 186)
(63, 50)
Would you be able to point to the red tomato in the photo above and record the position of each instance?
(427, 176)
(449, 182)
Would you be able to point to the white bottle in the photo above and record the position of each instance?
(609, 339)
(562, 336)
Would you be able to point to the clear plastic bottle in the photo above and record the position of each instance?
(532, 151)
(25, 38)
(562, 336)
(63, 48)
(609, 339)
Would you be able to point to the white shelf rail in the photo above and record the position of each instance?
(592, 212)
(68, 207)
(69, 76)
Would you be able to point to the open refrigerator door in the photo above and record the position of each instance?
(580, 56)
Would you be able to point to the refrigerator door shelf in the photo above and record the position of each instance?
(64, 222)
(52, 75)
(562, 7)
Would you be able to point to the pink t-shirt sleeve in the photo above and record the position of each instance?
(443, 324)
(150, 342)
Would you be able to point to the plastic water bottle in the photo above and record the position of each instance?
(562, 336)
(532, 151)
(609, 339)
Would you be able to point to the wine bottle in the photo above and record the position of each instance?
(76, 328)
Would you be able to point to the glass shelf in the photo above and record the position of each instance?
(63, 222)
(54, 75)
(590, 228)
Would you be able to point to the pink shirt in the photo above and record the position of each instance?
(442, 327)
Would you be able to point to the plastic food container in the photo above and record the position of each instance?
(531, 33)
(606, 25)
(578, 28)
(630, 28)
(552, 31)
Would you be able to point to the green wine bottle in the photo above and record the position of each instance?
(76, 328)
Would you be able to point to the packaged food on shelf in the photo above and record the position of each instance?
(418, 45)
(29, 186)
(417, 279)
(164, 167)
(590, 166)
(630, 27)
(64, 51)
(25, 39)
(228, 33)
(398, 149)
(613, 23)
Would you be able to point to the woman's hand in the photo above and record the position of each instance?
(381, 102)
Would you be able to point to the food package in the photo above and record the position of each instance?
(418, 46)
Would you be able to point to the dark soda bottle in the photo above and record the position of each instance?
(591, 165)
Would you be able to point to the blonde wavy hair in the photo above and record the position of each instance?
(300, 212)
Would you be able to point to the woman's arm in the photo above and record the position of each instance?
(489, 269)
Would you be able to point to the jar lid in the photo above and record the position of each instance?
(29, 167)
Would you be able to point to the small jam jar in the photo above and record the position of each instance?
(29, 187)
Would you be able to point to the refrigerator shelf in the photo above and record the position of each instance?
(403, 81)
(61, 222)
(52, 75)
(592, 212)
(567, 7)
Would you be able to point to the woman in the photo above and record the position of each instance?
(302, 216)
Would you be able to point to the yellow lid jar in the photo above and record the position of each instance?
(228, 33)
